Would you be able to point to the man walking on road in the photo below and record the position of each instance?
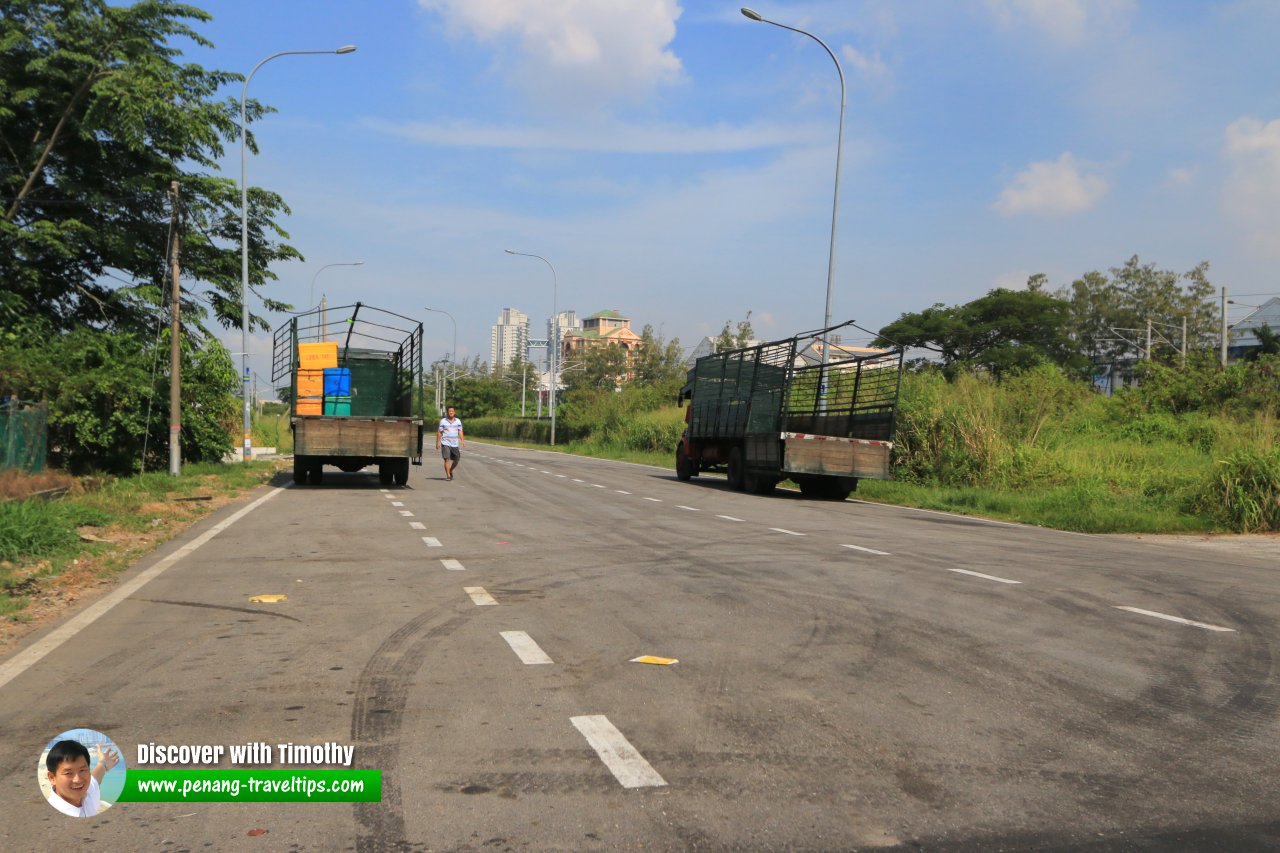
(450, 441)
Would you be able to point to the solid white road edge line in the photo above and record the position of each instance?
(24, 660)
(479, 596)
(868, 550)
(984, 577)
(617, 753)
(452, 565)
(1177, 619)
(525, 648)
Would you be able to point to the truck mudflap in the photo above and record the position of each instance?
(832, 456)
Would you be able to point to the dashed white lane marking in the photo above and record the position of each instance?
(690, 508)
(1177, 619)
(655, 500)
(452, 565)
(576, 480)
(545, 472)
(868, 550)
(624, 762)
(621, 492)
(384, 490)
(596, 486)
(984, 577)
(389, 496)
(562, 476)
(397, 503)
(786, 531)
(406, 513)
(728, 518)
(431, 541)
(479, 596)
(417, 525)
(25, 659)
(525, 648)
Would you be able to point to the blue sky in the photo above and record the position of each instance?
(675, 160)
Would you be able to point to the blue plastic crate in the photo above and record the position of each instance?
(337, 382)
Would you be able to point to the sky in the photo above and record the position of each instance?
(675, 161)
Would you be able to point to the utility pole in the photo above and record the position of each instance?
(1148, 339)
(175, 360)
(1184, 340)
(1223, 340)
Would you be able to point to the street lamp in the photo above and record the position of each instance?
(453, 353)
(555, 334)
(835, 203)
(311, 302)
(244, 235)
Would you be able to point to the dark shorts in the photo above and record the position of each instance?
(447, 452)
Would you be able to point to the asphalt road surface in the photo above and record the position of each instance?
(850, 676)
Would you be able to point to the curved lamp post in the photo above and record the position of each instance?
(453, 353)
(312, 298)
(835, 203)
(555, 334)
(244, 235)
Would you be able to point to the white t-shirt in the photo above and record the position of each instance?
(449, 431)
(88, 806)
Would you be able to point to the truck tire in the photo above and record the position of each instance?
(316, 473)
(400, 472)
(384, 473)
(759, 484)
(737, 469)
(684, 465)
(299, 471)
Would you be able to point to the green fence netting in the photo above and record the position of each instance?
(24, 431)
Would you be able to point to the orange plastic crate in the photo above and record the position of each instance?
(310, 383)
(318, 355)
(311, 405)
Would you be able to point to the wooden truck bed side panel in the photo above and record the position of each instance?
(840, 457)
(336, 436)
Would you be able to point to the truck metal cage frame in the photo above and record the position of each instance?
(772, 389)
(362, 332)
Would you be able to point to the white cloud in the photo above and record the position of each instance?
(1064, 21)
(871, 67)
(1252, 192)
(1052, 188)
(1181, 176)
(580, 52)
(610, 136)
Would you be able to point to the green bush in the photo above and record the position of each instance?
(528, 430)
(1244, 492)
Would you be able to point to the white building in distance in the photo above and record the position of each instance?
(508, 338)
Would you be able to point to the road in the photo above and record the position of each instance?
(851, 676)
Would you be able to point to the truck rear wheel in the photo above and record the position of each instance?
(400, 471)
(384, 473)
(759, 484)
(684, 465)
(317, 473)
(737, 470)
(299, 471)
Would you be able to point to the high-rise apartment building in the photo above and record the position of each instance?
(508, 338)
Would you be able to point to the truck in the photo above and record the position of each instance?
(774, 411)
(375, 357)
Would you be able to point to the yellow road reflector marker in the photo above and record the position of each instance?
(274, 598)
(654, 660)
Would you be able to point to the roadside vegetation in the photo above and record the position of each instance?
(51, 549)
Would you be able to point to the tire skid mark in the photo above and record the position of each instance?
(382, 692)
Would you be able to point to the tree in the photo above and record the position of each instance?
(97, 116)
(1004, 330)
(1268, 343)
(602, 367)
(735, 338)
(477, 396)
(1108, 315)
(659, 362)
